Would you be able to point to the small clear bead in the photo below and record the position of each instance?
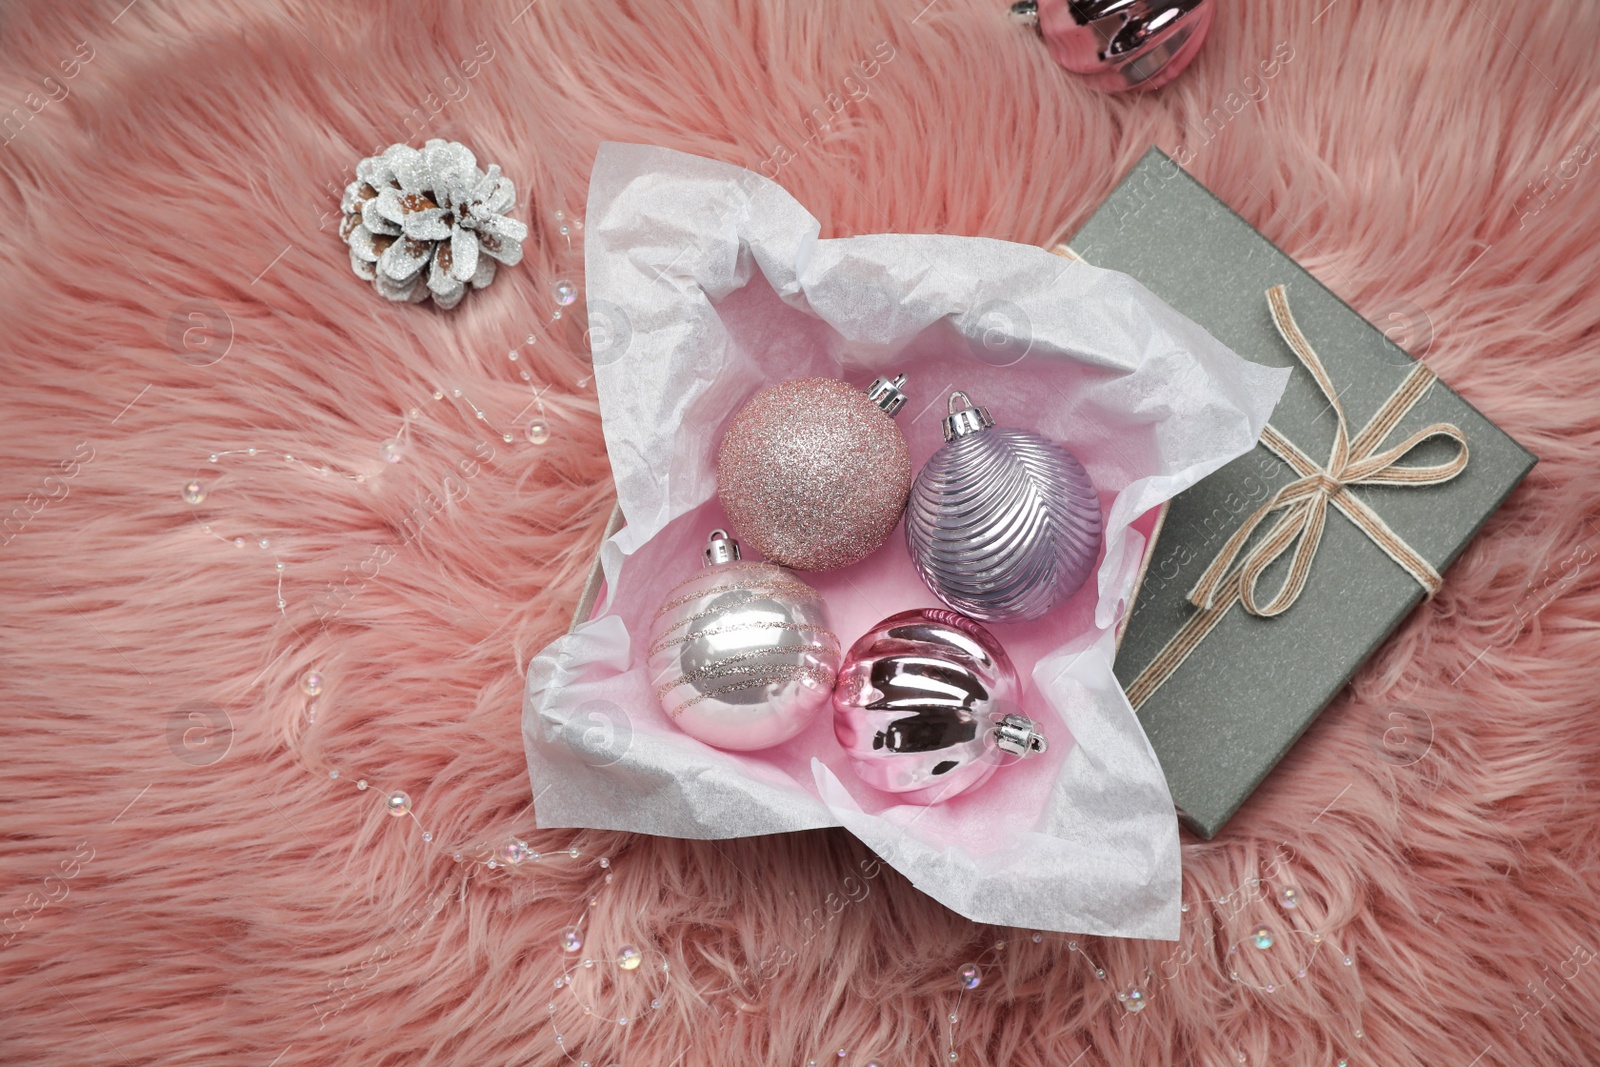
(604, 862)
(507, 438)
(213, 457)
(537, 431)
(970, 976)
(455, 393)
(493, 865)
(1098, 973)
(287, 458)
(1263, 938)
(560, 982)
(399, 803)
(629, 958)
(572, 852)
(623, 1021)
(565, 291)
(278, 565)
(333, 774)
(952, 1016)
(655, 1005)
(427, 835)
(238, 542)
(1289, 898)
(389, 451)
(1358, 1033)
(514, 853)
(1037, 938)
(361, 783)
(414, 413)
(437, 395)
(249, 451)
(1072, 946)
(311, 684)
(282, 604)
(194, 493)
(1348, 961)
(571, 940)
(264, 543)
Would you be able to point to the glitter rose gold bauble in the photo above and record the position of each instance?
(813, 474)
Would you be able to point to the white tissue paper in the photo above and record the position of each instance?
(707, 283)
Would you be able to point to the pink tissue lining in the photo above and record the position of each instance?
(772, 341)
(881, 585)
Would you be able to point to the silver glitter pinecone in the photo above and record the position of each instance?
(427, 222)
(1002, 524)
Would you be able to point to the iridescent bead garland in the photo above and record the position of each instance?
(512, 857)
(1134, 996)
(536, 431)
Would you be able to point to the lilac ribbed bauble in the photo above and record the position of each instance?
(813, 473)
(1002, 524)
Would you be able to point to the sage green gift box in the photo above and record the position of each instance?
(1225, 677)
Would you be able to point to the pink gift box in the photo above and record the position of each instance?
(707, 283)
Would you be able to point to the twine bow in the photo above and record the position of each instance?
(1234, 573)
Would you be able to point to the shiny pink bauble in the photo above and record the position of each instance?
(1125, 44)
(917, 702)
(812, 474)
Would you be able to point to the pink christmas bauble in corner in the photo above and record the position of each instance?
(926, 706)
(1120, 44)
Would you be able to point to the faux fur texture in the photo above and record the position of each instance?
(184, 883)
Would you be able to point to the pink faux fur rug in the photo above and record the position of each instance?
(185, 882)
